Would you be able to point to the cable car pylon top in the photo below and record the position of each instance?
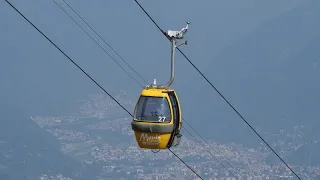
(173, 36)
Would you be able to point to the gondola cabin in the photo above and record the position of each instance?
(157, 119)
(157, 115)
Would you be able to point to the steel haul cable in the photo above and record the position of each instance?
(213, 155)
(104, 42)
(144, 81)
(90, 77)
(99, 45)
(220, 93)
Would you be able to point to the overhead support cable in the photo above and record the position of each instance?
(142, 80)
(90, 78)
(219, 93)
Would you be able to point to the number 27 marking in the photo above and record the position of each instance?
(161, 118)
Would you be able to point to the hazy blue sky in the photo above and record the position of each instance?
(36, 76)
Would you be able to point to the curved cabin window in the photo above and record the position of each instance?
(152, 109)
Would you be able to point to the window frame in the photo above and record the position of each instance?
(169, 103)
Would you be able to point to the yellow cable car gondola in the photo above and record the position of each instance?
(157, 116)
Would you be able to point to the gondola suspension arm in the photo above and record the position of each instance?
(173, 36)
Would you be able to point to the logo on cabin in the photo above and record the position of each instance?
(150, 140)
